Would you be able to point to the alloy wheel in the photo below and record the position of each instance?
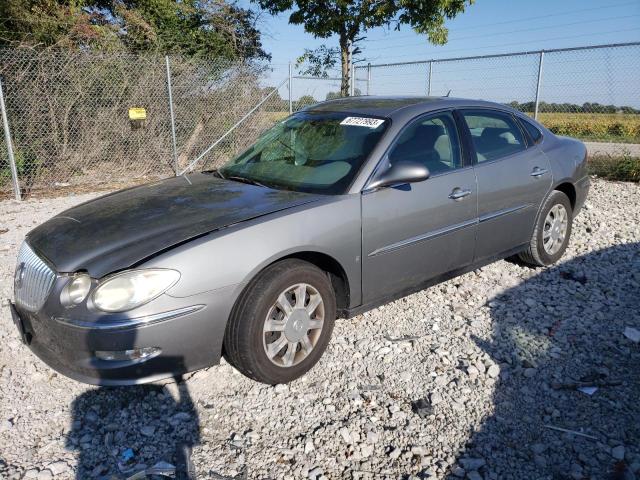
(293, 325)
(555, 229)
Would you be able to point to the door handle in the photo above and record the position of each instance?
(537, 172)
(459, 194)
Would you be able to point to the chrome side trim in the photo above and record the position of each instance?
(120, 322)
(423, 237)
(499, 213)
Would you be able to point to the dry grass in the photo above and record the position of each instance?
(623, 128)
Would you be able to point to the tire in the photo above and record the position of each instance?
(537, 254)
(246, 345)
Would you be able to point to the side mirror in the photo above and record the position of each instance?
(400, 173)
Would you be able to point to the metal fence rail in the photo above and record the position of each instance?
(516, 76)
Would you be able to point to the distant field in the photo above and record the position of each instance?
(603, 127)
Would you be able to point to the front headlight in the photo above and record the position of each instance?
(76, 290)
(131, 289)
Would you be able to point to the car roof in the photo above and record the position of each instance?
(391, 106)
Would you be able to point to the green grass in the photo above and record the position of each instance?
(624, 168)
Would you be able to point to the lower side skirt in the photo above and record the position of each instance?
(360, 309)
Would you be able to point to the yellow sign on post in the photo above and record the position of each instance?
(137, 114)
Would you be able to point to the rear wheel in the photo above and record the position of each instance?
(282, 322)
(552, 232)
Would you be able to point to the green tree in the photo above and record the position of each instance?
(209, 29)
(318, 62)
(349, 19)
(303, 101)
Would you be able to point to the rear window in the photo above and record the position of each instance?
(494, 134)
(532, 130)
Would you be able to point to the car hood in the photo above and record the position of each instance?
(120, 229)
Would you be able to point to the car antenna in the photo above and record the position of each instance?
(448, 93)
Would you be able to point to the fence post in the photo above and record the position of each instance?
(429, 79)
(173, 119)
(7, 138)
(539, 84)
(352, 79)
(290, 87)
(368, 78)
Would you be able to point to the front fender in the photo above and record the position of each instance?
(233, 256)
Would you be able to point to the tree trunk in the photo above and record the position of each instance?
(346, 67)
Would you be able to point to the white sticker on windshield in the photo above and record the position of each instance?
(362, 122)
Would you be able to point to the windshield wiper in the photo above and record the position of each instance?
(289, 147)
(249, 181)
(215, 172)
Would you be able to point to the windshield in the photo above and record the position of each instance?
(317, 152)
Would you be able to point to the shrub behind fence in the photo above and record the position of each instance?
(69, 120)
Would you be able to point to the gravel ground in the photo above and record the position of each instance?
(470, 379)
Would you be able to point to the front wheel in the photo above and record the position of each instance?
(282, 322)
(552, 231)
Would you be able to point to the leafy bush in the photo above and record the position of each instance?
(69, 115)
(625, 168)
(26, 165)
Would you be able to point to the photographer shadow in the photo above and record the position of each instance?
(120, 431)
(553, 334)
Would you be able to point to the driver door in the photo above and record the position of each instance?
(414, 232)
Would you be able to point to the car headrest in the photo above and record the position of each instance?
(492, 133)
(429, 134)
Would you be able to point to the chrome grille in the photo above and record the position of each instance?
(33, 280)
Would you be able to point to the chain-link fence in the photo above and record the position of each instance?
(71, 125)
(68, 117)
(592, 93)
(307, 90)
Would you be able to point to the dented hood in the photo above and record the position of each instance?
(120, 229)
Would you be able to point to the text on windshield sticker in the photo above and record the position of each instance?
(362, 122)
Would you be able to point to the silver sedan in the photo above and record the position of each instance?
(335, 210)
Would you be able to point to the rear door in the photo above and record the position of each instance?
(513, 178)
(417, 231)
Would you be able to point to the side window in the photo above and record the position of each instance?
(532, 130)
(431, 140)
(494, 134)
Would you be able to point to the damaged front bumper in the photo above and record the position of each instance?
(182, 335)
